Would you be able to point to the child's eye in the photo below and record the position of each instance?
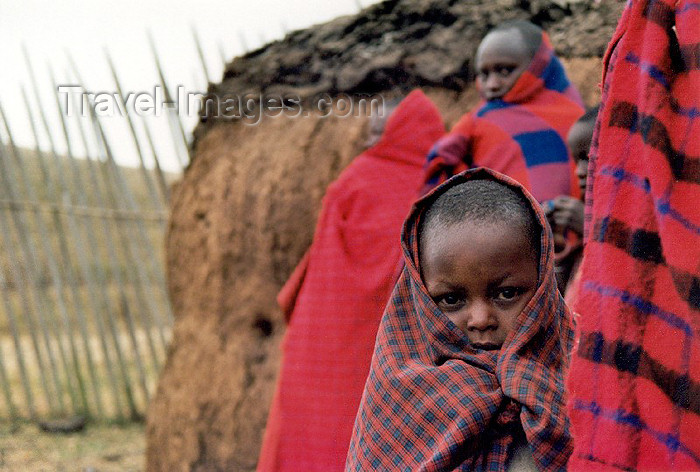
(505, 71)
(507, 294)
(449, 301)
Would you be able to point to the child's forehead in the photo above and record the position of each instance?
(506, 44)
(581, 130)
(491, 232)
(510, 39)
(587, 126)
(486, 250)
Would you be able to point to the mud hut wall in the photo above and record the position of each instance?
(242, 218)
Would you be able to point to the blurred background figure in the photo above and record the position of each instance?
(334, 299)
(520, 127)
(565, 213)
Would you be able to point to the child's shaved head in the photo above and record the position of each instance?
(531, 33)
(480, 202)
(503, 55)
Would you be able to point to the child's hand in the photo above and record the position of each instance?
(565, 213)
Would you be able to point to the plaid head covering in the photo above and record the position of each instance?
(432, 402)
(635, 376)
(522, 135)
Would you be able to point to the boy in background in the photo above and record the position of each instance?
(519, 129)
(565, 213)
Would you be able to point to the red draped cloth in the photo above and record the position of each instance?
(336, 296)
(635, 375)
(432, 403)
(522, 135)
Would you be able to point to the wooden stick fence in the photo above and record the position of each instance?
(176, 128)
(200, 54)
(84, 314)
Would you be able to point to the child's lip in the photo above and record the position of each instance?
(486, 346)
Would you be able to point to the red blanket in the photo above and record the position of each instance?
(432, 403)
(337, 294)
(522, 135)
(635, 377)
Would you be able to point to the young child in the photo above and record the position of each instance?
(520, 127)
(468, 368)
(565, 213)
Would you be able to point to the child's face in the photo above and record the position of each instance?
(481, 276)
(500, 60)
(579, 141)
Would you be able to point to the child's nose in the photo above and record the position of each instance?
(493, 81)
(479, 317)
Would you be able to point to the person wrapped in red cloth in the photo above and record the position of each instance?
(520, 127)
(468, 370)
(335, 297)
(635, 375)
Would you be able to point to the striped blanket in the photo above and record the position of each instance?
(432, 403)
(635, 376)
(522, 135)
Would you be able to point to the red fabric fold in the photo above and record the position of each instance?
(635, 376)
(287, 296)
(338, 294)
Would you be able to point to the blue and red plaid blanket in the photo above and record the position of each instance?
(431, 402)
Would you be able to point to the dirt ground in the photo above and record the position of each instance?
(98, 448)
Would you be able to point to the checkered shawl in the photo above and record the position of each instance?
(522, 135)
(635, 376)
(432, 403)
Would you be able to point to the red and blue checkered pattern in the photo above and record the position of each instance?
(522, 135)
(635, 376)
(432, 403)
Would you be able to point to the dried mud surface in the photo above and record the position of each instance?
(244, 213)
(405, 44)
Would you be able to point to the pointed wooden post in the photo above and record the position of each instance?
(200, 53)
(147, 177)
(178, 132)
(163, 184)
